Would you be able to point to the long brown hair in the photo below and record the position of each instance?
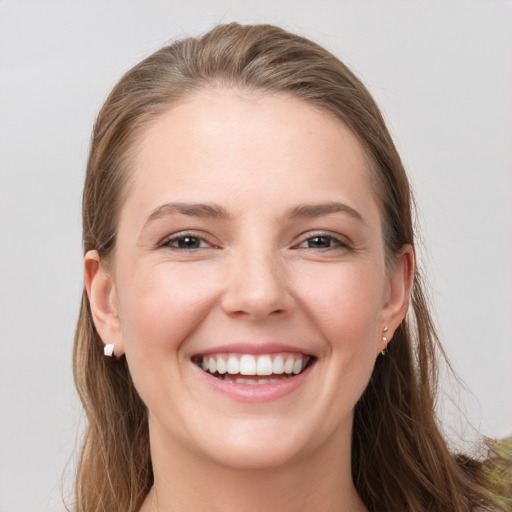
(400, 460)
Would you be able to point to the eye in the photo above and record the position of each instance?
(186, 242)
(322, 242)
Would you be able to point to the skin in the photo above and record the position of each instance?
(257, 274)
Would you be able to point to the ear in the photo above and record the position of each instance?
(396, 300)
(103, 302)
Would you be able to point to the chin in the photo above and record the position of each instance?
(256, 445)
(253, 456)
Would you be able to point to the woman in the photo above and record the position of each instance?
(249, 263)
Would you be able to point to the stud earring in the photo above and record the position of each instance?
(385, 340)
(108, 350)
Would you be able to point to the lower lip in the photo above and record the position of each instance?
(258, 392)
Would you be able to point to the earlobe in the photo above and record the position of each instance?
(103, 303)
(398, 294)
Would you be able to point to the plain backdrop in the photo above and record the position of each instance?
(442, 73)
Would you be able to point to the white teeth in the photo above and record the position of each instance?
(221, 365)
(248, 365)
(278, 365)
(252, 365)
(264, 366)
(269, 381)
(288, 366)
(233, 365)
(252, 382)
(297, 367)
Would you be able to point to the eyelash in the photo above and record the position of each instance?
(175, 239)
(334, 242)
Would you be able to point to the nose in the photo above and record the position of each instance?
(257, 287)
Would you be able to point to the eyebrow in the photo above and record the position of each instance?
(209, 210)
(310, 211)
(214, 211)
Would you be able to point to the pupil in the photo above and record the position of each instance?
(188, 242)
(319, 242)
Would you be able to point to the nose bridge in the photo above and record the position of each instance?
(257, 284)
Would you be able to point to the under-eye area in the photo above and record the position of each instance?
(254, 368)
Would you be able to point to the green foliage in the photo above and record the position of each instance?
(497, 470)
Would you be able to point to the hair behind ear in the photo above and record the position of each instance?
(114, 468)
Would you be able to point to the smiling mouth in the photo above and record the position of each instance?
(253, 369)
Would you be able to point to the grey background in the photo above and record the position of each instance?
(442, 72)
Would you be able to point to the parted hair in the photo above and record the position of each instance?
(400, 459)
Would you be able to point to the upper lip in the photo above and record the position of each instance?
(253, 348)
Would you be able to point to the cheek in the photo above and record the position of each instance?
(345, 306)
(345, 301)
(161, 307)
(159, 310)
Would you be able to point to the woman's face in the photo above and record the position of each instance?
(248, 287)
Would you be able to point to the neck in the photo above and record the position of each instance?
(187, 482)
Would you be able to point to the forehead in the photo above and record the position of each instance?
(251, 146)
